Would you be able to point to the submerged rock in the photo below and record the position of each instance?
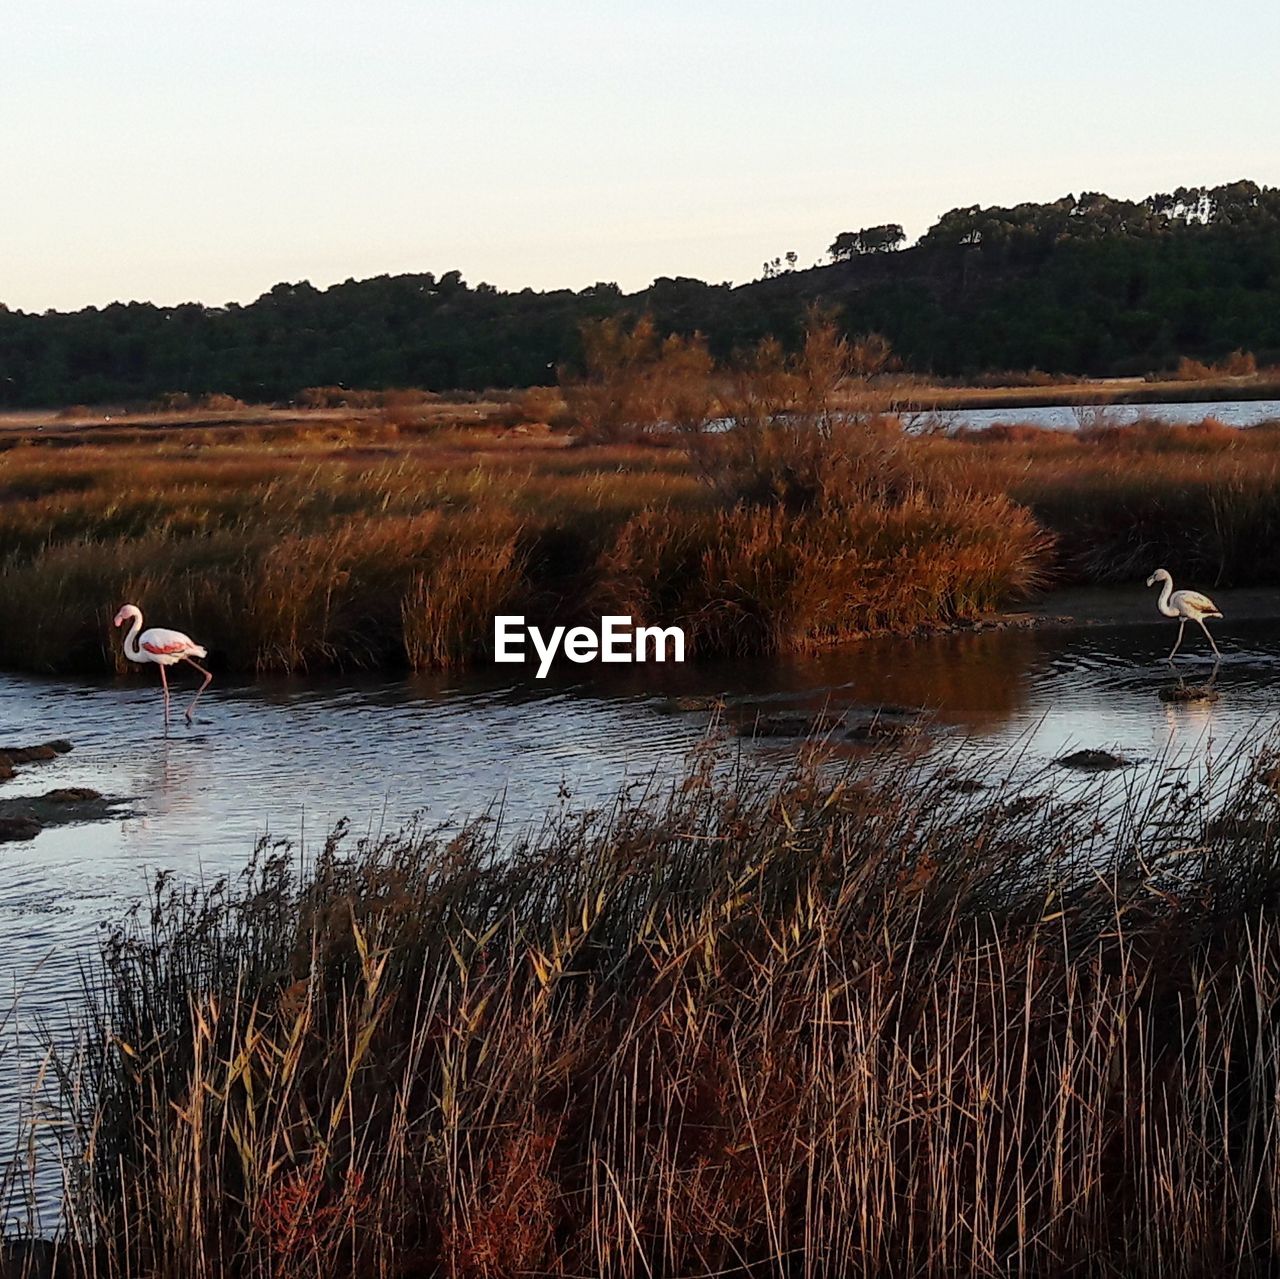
(1021, 805)
(882, 730)
(1092, 761)
(696, 702)
(40, 753)
(14, 829)
(71, 795)
(44, 750)
(25, 817)
(790, 725)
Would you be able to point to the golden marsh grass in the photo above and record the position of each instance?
(356, 546)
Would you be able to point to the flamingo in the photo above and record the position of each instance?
(165, 648)
(1186, 606)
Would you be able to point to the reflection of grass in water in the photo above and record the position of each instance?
(804, 1023)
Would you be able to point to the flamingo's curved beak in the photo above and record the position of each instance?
(119, 618)
(1151, 581)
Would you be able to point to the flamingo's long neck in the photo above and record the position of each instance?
(131, 649)
(1163, 604)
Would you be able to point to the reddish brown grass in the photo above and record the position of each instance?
(812, 1024)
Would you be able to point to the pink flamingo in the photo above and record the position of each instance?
(165, 648)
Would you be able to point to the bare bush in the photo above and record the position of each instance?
(636, 383)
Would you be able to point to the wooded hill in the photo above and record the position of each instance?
(1083, 285)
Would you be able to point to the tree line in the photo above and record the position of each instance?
(1081, 285)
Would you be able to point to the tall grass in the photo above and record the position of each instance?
(1201, 498)
(758, 1024)
(812, 521)
(447, 613)
(301, 556)
(760, 580)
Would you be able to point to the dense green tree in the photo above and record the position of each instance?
(871, 239)
(1085, 284)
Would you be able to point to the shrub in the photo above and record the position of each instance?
(215, 402)
(636, 382)
(1237, 364)
(759, 580)
(539, 405)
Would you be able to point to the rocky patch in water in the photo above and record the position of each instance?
(886, 724)
(1092, 761)
(1021, 805)
(687, 704)
(884, 728)
(12, 756)
(25, 817)
(966, 785)
(790, 725)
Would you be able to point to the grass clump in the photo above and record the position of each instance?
(1203, 496)
(758, 580)
(759, 1024)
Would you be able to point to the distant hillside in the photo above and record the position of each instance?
(1085, 285)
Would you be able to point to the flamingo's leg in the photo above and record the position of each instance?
(208, 676)
(1209, 637)
(164, 683)
(1182, 625)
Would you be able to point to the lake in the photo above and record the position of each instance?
(1067, 417)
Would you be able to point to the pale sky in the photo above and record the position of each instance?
(171, 150)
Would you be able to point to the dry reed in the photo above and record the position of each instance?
(808, 1024)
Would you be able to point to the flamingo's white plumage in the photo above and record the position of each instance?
(1186, 606)
(165, 648)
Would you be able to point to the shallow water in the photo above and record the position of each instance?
(1067, 417)
(289, 758)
